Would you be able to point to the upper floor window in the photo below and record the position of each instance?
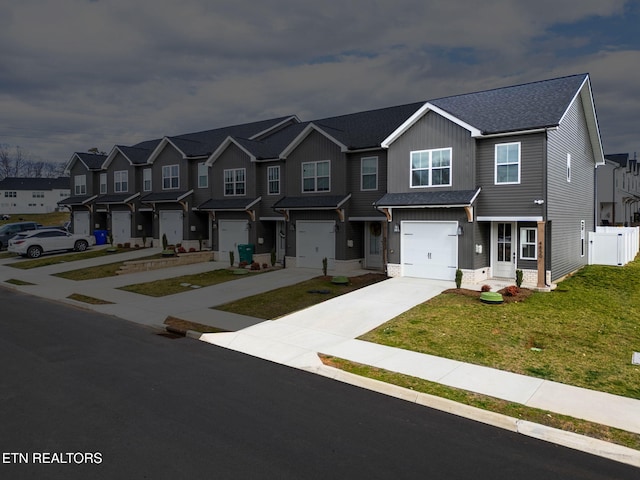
(234, 181)
(103, 183)
(37, 194)
(431, 168)
(369, 173)
(10, 194)
(203, 175)
(528, 241)
(507, 163)
(170, 177)
(273, 180)
(146, 180)
(316, 176)
(121, 181)
(80, 185)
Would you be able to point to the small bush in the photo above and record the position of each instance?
(265, 266)
(255, 266)
(485, 288)
(181, 250)
(136, 246)
(127, 245)
(243, 264)
(519, 276)
(511, 291)
(119, 245)
(324, 266)
(458, 278)
(231, 258)
(191, 250)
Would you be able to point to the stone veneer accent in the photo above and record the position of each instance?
(134, 266)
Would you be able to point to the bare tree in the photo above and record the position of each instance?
(5, 161)
(18, 162)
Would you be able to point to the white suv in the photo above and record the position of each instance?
(34, 243)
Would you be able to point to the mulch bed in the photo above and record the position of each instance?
(521, 296)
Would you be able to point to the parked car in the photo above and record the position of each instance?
(34, 243)
(5, 216)
(8, 230)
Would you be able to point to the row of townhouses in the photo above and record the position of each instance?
(618, 190)
(486, 182)
(32, 195)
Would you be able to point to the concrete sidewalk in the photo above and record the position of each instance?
(332, 328)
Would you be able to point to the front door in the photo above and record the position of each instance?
(373, 245)
(504, 263)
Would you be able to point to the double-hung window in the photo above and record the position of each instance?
(80, 184)
(273, 180)
(203, 175)
(146, 180)
(528, 242)
(369, 173)
(234, 181)
(121, 181)
(431, 168)
(316, 176)
(103, 183)
(507, 163)
(170, 177)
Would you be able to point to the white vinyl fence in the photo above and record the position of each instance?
(613, 245)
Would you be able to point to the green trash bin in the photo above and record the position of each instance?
(246, 253)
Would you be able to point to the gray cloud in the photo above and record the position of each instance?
(77, 74)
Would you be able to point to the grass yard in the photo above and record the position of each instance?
(169, 286)
(52, 219)
(55, 259)
(285, 300)
(584, 333)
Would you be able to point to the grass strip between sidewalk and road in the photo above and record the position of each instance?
(99, 271)
(87, 299)
(511, 409)
(283, 301)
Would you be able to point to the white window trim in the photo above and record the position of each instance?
(315, 177)
(430, 169)
(103, 183)
(495, 163)
(234, 182)
(362, 174)
(523, 236)
(168, 175)
(273, 168)
(203, 175)
(120, 180)
(80, 184)
(146, 172)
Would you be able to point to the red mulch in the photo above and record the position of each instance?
(522, 295)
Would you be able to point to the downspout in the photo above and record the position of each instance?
(542, 225)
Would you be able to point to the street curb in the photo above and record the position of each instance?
(571, 440)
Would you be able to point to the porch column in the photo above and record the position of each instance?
(542, 273)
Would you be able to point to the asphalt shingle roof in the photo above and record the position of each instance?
(28, 183)
(93, 161)
(311, 202)
(227, 204)
(160, 197)
(519, 107)
(430, 199)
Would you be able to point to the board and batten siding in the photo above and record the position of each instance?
(232, 158)
(314, 148)
(432, 131)
(361, 202)
(511, 200)
(570, 202)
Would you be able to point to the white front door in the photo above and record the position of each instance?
(232, 233)
(504, 256)
(315, 240)
(81, 223)
(429, 249)
(373, 245)
(171, 226)
(281, 229)
(121, 227)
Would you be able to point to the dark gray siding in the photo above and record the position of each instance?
(200, 195)
(79, 169)
(169, 156)
(361, 203)
(432, 131)
(316, 147)
(233, 157)
(570, 202)
(119, 163)
(266, 205)
(512, 199)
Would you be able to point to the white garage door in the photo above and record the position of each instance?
(171, 226)
(315, 241)
(429, 249)
(81, 223)
(121, 227)
(232, 233)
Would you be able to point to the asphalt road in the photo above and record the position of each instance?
(89, 396)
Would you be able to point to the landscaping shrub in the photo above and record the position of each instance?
(265, 266)
(519, 276)
(511, 291)
(255, 266)
(485, 288)
(458, 278)
(182, 250)
(191, 250)
(243, 264)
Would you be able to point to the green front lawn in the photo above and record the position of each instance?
(584, 333)
(55, 259)
(285, 300)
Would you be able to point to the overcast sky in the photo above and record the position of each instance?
(77, 74)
